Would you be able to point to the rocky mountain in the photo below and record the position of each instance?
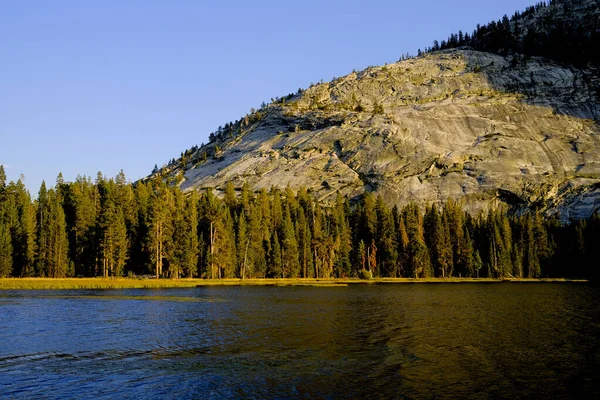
(563, 30)
(478, 127)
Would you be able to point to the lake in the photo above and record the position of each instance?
(413, 341)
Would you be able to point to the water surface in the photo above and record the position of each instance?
(378, 341)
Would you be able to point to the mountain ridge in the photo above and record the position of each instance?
(481, 128)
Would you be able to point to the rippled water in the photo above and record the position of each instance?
(387, 341)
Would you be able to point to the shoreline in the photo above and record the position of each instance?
(136, 283)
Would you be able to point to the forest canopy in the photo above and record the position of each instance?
(111, 227)
(562, 30)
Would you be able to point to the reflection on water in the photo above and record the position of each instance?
(400, 341)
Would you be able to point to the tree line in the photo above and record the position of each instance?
(559, 30)
(111, 227)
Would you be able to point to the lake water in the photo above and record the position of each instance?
(386, 341)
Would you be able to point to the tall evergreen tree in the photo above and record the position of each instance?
(159, 227)
(180, 234)
(404, 267)
(319, 240)
(385, 238)
(304, 243)
(189, 256)
(290, 256)
(56, 243)
(226, 250)
(275, 262)
(2, 181)
(532, 262)
(23, 229)
(229, 198)
(42, 232)
(111, 230)
(419, 264)
(343, 237)
(362, 251)
(243, 243)
(259, 239)
(372, 257)
(140, 251)
(6, 249)
(438, 242)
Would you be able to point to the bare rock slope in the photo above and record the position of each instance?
(476, 127)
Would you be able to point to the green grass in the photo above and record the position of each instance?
(90, 283)
(132, 283)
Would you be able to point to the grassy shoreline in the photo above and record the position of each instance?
(133, 283)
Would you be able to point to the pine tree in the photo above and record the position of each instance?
(25, 255)
(226, 249)
(477, 263)
(245, 196)
(304, 242)
(438, 242)
(140, 250)
(469, 256)
(368, 217)
(57, 243)
(190, 255)
(517, 260)
(318, 241)
(291, 264)
(275, 262)
(243, 243)
(111, 229)
(5, 245)
(542, 242)
(218, 229)
(2, 181)
(453, 219)
(42, 232)
(260, 238)
(532, 262)
(343, 237)
(276, 210)
(230, 199)
(181, 233)
(10, 221)
(159, 224)
(372, 257)
(116, 242)
(404, 268)
(83, 201)
(290, 203)
(505, 239)
(385, 238)
(419, 264)
(125, 200)
(362, 251)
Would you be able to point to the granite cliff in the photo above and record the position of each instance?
(482, 128)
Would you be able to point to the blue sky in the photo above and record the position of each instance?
(88, 86)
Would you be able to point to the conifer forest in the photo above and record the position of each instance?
(564, 36)
(110, 227)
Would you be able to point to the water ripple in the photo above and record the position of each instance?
(428, 341)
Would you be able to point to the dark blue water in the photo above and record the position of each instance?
(390, 341)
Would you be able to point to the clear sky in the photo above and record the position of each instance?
(104, 85)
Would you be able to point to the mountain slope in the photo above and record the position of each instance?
(477, 127)
(563, 30)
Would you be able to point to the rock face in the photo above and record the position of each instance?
(476, 127)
